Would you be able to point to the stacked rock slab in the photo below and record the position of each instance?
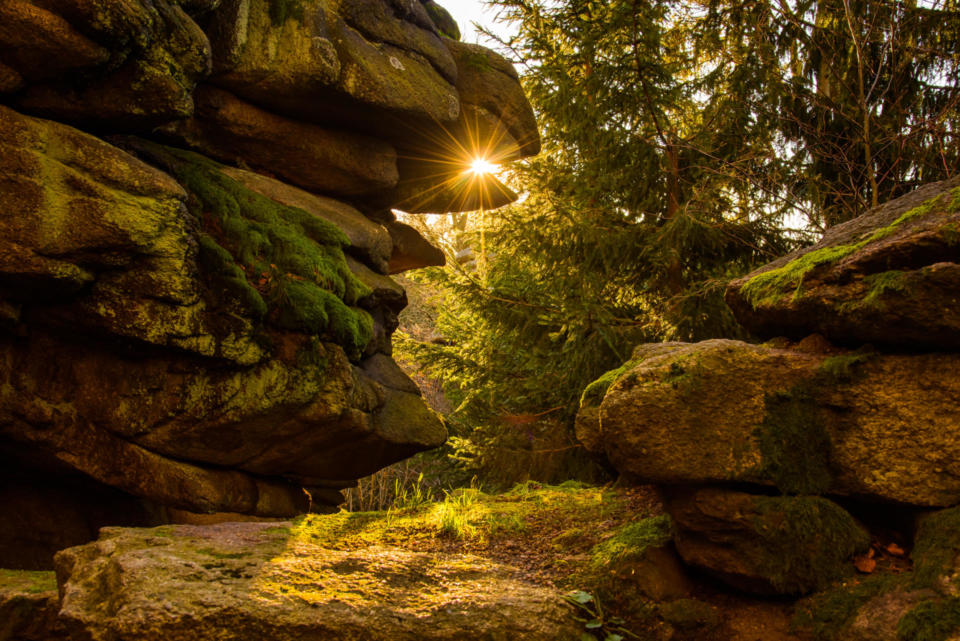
(195, 204)
(758, 445)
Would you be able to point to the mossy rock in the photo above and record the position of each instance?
(192, 582)
(889, 277)
(275, 262)
(766, 545)
(936, 551)
(157, 55)
(805, 422)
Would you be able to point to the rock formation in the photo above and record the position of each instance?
(197, 232)
(765, 451)
(227, 581)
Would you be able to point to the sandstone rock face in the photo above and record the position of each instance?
(411, 250)
(352, 64)
(767, 545)
(182, 335)
(137, 61)
(256, 581)
(309, 156)
(725, 411)
(890, 277)
(204, 436)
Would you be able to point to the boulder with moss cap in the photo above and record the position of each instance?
(890, 277)
(855, 423)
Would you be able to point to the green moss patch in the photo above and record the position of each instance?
(632, 539)
(596, 390)
(931, 621)
(276, 262)
(769, 287)
(936, 546)
(828, 614)
(808, 541)
(29, 581)
(792, 437)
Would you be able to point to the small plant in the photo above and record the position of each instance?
(411, 496)
(596, 623)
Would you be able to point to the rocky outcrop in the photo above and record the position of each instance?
(186, 335)
(862, 412)
(889, 277)
(261, 581)
(104, 64)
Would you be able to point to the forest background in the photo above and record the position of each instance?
(684, 144)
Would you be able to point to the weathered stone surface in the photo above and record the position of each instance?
(80, 215)
(245, 580)
(767, 545)
(496, 123)
(140, 61)
(487, 80)
(890, 277)
(878, 618)
(441, 185)
(306, 155)
(410, 249)
(40, 43)
(385, 371)
(28, 607)
(442, 19)
(321, 66)
(10, 79)
(877, 426)
(128, 366)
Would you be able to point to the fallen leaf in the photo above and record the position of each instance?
(865, 564)
(895, 550)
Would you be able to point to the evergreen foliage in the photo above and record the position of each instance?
(684, 143)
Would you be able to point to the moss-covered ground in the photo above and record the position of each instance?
(29, 581)
(560, 535)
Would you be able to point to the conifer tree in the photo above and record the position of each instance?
(683, 144)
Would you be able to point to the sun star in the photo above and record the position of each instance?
(481, 166)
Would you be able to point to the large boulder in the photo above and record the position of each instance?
(270, 582)
(766, 545)
(869, 425)
(182, 336)
(194, 344)
(890, 277)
